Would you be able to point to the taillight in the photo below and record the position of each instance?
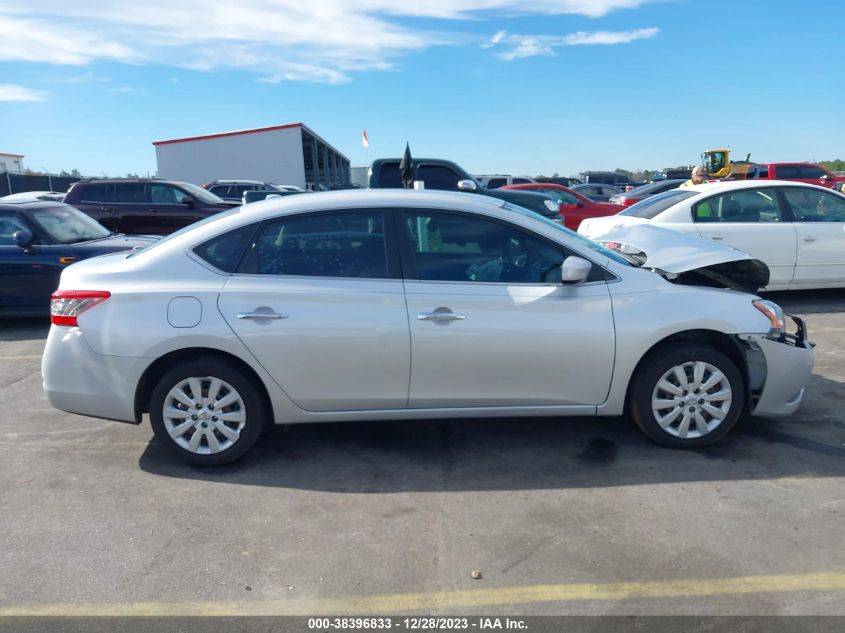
(67, 305)
(627, 202)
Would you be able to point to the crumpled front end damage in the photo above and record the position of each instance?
(778, 370)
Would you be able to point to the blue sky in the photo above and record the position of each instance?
(499, 86)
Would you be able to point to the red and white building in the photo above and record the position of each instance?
(11, 163)
(283, 154)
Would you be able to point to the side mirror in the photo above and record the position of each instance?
(467, 185)
(23, 238)
(580, 203)
(187, 200)
(575, 270)
(824, 178)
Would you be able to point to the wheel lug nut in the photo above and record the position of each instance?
(199, 406)
(193, 417)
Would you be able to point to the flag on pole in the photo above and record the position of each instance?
(364, 140)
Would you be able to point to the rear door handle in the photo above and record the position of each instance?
(809, 238)
(717, 237)
(440, 316)
(261, 315)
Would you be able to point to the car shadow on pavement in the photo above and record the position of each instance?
(524, 453)
(809, 301)
(24, 329)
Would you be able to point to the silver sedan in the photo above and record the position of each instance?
(366, 305)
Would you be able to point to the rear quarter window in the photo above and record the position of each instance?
(224, 252)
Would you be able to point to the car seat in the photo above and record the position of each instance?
(731, 211)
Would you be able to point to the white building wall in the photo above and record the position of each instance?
(11, 163)
(360, 175)
(270, 156)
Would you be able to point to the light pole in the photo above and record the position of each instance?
(49, 178)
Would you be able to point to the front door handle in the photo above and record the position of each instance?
(440, 316)
(717, 237)
(809, 238)
(261, 315)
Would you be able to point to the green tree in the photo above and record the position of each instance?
(833, 165)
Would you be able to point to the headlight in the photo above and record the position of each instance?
(552, 206)
(774, 313)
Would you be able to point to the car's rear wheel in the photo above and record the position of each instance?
(686, 396)
(206, 412)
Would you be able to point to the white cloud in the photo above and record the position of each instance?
(535, 45)
(498, 37)
(609, 37)
(529, 46)
(13, 92)
(279, 40)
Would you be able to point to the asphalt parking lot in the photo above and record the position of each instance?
(579, 516)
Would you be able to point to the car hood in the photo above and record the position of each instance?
(533, 200)
(113, 244)
(687, 258)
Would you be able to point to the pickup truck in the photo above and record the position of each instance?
(445, 175)
(801, 172)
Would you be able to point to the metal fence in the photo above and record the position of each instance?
(19, 183)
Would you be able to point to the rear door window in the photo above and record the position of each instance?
(95, 192)
(346, 244)
(129, 192)
(495, 183)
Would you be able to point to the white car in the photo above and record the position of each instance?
(394, 304)
(797, 230)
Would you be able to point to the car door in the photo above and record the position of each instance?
(820, 226)
(127, 207)
(491, 323)
(165, 212)
(319, 302)
(754, 221)
(27, 277)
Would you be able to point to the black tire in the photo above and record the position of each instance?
(249, 406)
(644, 390)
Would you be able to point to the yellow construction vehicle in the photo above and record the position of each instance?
(718, 164)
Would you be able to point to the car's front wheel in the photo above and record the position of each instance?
(687, 396)
(206, 412)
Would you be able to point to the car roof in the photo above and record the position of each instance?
(31, 205)
(785, 164)
(238, 181)
(712, 187)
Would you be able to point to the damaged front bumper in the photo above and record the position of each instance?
(778, 370)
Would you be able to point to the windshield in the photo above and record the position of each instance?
(201, 194)
(598, 248)
(184, 229)
(651, 207)
(66, 225)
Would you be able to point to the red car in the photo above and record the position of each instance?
(573, 206)
(800, 172)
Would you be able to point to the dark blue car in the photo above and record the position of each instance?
(40, 239)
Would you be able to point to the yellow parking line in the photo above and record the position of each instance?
(441, 601)
(29, 357)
